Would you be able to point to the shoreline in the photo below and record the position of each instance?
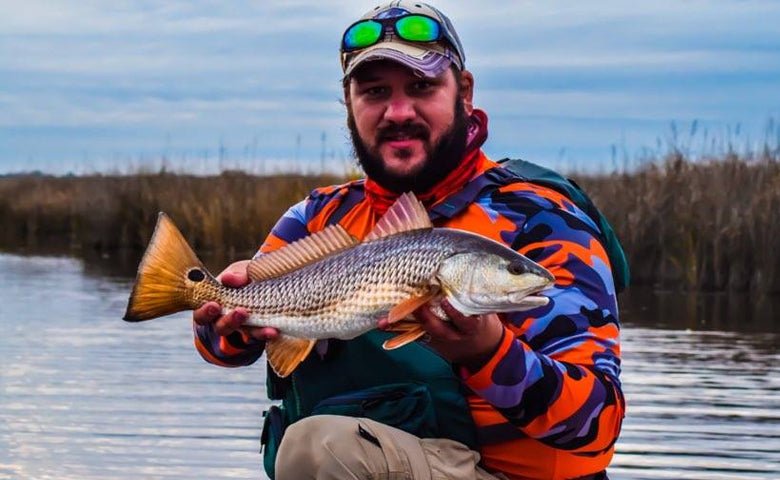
(691, 225)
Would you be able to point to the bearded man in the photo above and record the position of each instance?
(531, 394)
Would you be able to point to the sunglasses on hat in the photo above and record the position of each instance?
(413, 28)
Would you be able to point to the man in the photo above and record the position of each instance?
(541, 390)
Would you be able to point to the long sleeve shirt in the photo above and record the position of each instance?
(549, 398)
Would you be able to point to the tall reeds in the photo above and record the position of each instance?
(231, 212)
(709, 225)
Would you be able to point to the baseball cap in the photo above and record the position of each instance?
(427, 59)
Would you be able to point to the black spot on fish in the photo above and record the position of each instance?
(196, 275)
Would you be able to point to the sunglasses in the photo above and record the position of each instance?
(411, 28)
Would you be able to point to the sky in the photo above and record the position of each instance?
(95, 86)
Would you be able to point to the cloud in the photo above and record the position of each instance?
(198, 71)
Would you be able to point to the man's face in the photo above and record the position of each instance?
(408, 132)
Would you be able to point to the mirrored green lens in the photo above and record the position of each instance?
(416, 28)
(362, 35)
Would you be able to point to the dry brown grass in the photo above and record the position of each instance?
(228, 213)
(712, 224)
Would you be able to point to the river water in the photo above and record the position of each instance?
(84, 395)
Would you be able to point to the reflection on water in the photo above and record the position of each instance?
(88, 396)
(736, 312)
(84, 395)
(702, 378)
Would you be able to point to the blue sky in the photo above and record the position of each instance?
(117, 86)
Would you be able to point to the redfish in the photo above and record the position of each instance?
(331, 285)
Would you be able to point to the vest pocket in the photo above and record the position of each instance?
(274, 426)
(406, 406)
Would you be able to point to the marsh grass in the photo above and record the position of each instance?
(225, 214)
(709, 224)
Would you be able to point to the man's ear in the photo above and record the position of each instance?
(346, 90)
(466, 90)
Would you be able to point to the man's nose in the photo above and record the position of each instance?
(400, 109)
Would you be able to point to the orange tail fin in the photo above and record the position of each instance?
(166, 276)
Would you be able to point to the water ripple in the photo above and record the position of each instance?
(87, 396)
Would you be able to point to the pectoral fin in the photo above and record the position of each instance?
(409, 332)
(285, 353)
(408, 306)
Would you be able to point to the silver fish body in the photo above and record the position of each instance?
(330, 285)
(343, 295)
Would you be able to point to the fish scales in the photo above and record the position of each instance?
(371, 278)
(329, 285)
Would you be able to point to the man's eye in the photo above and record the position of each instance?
(422, 85)
(374, 91)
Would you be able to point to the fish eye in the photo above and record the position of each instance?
(517, 267)
(196, 275)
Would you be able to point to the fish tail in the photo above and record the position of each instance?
(167, 275)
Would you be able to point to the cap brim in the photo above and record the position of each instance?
(423, 61)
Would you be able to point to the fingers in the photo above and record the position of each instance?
(435, 326)
(211, 314)
(466, 324)
(230, 322)
(451, 311)
(261, 333)
(469, 340)
(208, 313)
(235, 274)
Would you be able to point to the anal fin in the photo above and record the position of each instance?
(285, 353)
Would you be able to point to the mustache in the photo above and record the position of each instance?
(411, 130)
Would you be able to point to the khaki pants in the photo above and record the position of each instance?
(335, 448)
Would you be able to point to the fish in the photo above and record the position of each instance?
(332, 285)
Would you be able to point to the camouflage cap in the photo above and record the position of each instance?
(425, 59)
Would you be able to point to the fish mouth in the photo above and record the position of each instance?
(513, 302)
(529, 298)
(527, 302)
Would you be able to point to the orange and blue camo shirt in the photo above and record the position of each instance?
(551, 393)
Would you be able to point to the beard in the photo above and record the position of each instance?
(441, 158)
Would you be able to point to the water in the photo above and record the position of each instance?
(84, 395)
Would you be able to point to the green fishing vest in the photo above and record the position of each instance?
(411, 388)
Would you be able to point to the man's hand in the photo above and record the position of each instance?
(211, 312)
(468, 340)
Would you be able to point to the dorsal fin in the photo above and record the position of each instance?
(407, 213)
(328, 241)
